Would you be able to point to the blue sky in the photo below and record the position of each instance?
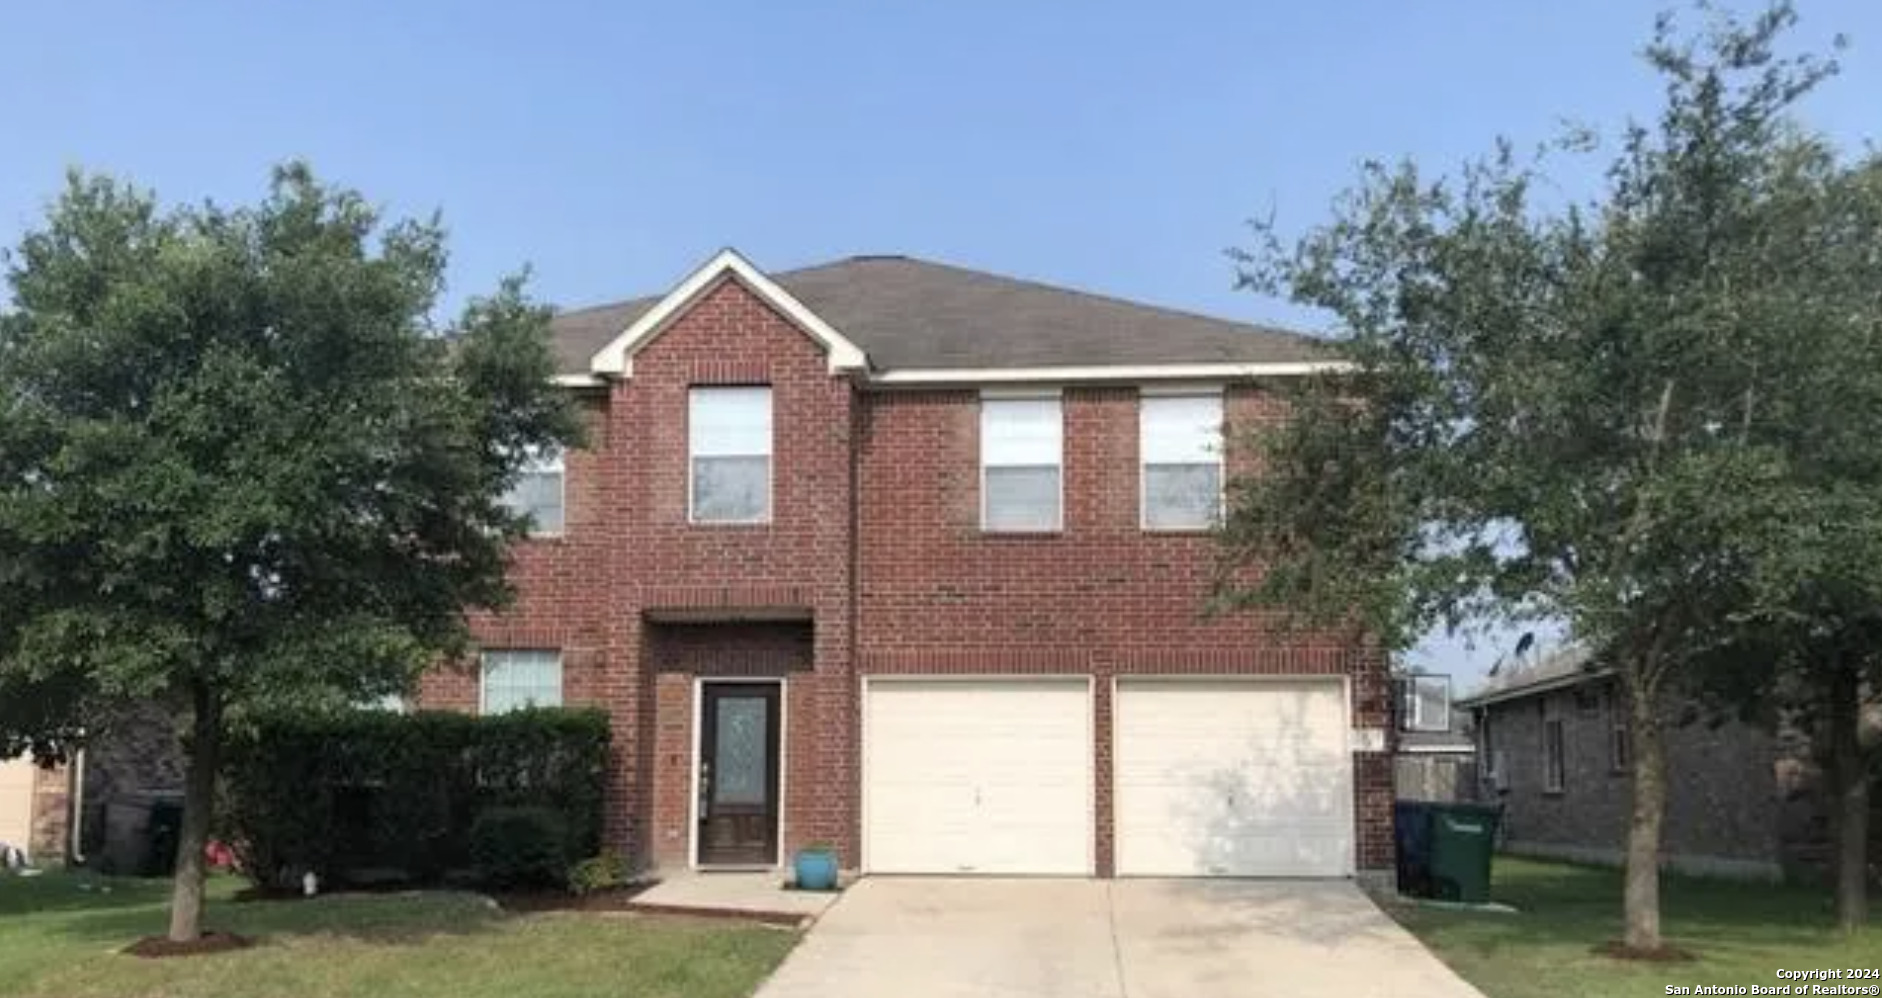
(1111, 146)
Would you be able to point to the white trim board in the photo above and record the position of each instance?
(692, 771)
(1120, 372)
(617, 358)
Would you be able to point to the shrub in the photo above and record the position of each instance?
(520, 847)
(372, 790)
(597, 873)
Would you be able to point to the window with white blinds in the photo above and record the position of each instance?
(1021, 464)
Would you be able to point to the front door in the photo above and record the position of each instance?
(738, 774)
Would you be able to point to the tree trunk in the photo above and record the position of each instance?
(1849, 796)
(199, 796)
(1641, 896)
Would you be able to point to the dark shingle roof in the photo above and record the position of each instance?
(907, 313)
(1566, 666)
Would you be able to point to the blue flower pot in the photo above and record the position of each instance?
(816, 870)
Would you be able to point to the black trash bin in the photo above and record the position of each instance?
(1411, 833)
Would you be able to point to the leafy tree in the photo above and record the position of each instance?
(237, 466)
(1558, 410)
(1812, 557)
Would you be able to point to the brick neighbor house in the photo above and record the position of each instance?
(911, 560)
(1740, 801)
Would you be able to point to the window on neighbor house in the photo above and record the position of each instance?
(538, 492)
(1499, 770)
(1179, 442)
(1554, 766)
(1021, 446)
(516, 679)
(729, 447)
(1620, 739)
(1425, 703)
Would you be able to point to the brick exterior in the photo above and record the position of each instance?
(1739, 801)
(52, 802)
(873, 563)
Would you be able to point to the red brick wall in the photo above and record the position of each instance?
(939, 595)
(681, 653)
(628, 551)
(895, 578)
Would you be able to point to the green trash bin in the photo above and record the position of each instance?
(1463, 836)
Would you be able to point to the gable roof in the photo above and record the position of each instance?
(1568, 666)
(617, 356)
(908, 315)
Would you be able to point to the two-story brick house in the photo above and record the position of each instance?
(912, 560)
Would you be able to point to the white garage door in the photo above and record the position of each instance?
(1233, 778)
(16, 802)
(977, 776)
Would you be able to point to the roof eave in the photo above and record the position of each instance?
(1136, 373)
(1542, 686)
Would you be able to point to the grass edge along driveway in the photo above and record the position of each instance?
(60, 932)
(1740, 933)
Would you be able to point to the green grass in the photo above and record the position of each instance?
(1741, 934)
(60, 935)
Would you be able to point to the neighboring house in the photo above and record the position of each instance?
(912, 560)
(1555, 747)
(1436, 752)
(33, 809)
(95, 808)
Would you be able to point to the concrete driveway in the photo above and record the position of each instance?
(939, 938)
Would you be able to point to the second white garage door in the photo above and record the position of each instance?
(1233, 778)
(977, 776)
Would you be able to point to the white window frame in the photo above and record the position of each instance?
(483, 675)
(542, 463)
(1412, 704)
(1058, 404)
(1145, 397)
(693, 393)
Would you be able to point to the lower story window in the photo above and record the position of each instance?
(1553, 765)
(517, 679)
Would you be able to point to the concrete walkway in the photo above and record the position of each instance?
(941, 938)
(761, 896)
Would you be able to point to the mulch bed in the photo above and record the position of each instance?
(154, 947)
(1665, 954)
(611, 899)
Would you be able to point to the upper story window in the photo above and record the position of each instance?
(1180, 444)
(1021, 443)
(517, 679)
(1425, 703)
(729, 448)
(538, 492)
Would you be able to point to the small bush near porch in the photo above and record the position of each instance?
(1741, 934)
(59, 934)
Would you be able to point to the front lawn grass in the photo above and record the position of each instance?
(1741, 934)
(60, 935)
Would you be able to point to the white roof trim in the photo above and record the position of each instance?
(1142, 372)
(577, 381)
(617, 358)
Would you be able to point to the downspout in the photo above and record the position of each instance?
(75, 850)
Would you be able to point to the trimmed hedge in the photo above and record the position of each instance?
(520, 847)
(361, 795)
